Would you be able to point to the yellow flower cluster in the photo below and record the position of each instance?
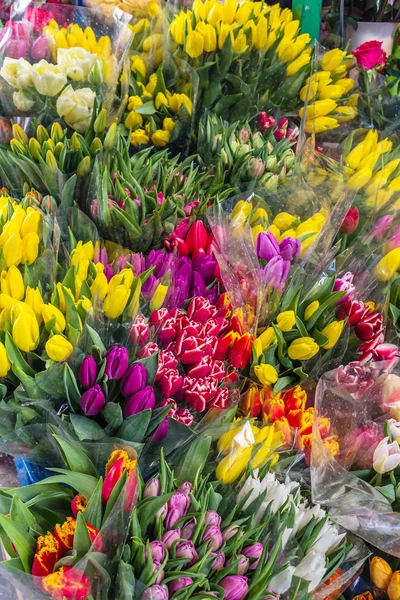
(19, 238)
(246, 445)
(247, 25)
(283, 225)
(139, 9)
(327, 93)
(151, 110)
(366, 169)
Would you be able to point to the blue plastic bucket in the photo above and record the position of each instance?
(28, 472)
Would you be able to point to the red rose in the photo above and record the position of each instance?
(370, 55)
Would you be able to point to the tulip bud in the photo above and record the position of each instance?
(142, 400)
(17, 147)
(48, 145)
(88, 372)
(157, 551)
(212, 518)
(188, 529)
(51, 161)
(185, 488)
(230, 532)
(84, 167)
(58, 149)
(57, 133)
(40, 48)
(156, 592)
(256, 167)
(93, 401)
(35, 148)
(243, 565)
(109, 140)
(393, 590)
(19, 134)
(186, 550)
(133, 380)
(235, 587)
(381, 572)
(116, 362)
(197, 237)
(75, 143)
(254, 553)
(178, 505)
(170, 537)
(41, 134)
(95, 146)
(100, 122)
(350, 221)
(271, 163)
(219, 561)
(153, 488)
(179, 583)
(213, 536)
(96, 75)
(244, 135)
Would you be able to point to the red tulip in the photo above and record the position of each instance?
(350, 221)
(46, 556)
(68, 583)
(197, 237)
(239, 354)
(118, 463)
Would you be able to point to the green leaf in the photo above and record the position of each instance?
(388, 491)
(118, 488)
(112, 413)
(82, 542)
(25, 544)
(125, 582)
(194, 459)
(96, 339)
(134, 428)
(74, 457)
(21, 514)
(150, 363)
(147, 108)
(84, 484)
(93, 511)
(68, 193)
(71, 388)
(15, 356)
(148, 508)
(282, 383)
(86, 429)
(319, 337)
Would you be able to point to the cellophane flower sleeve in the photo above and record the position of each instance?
(357, 400)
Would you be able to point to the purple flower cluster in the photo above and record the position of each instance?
(278, 257)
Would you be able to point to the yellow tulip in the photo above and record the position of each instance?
(215, 14)
(388, 265)
(321, 124)
(194, 44)
(160, 101)
(229, 11)
(199, 9)
(267, 337)
(314, 223)
(25, 332)
(31, 222)
(99, 287)
(291, 29)
(393, 590)
(370, 141)
(82, 251)
(346, 84)
(354, 158)
(49, 312)
(133, 120)
(138, 66)
(5, 364)
(381, 572)
(284, 221)
(255, 231)
(259, 213)
(246, 433)
(360, 178)
(33, 298)
(308, 91)
(319, 108)
(224, 32)
(233, 465)
(303, 348)
(384, 146)
(116, 301)
(258, 347)
(12, 250)
(298, 64)
(346, 113)
(160, 138)
(154, 41)
(333, 331)
(169, 124)
(332, 59)
(124, 277)
(270, 440)
(209, 35)
(158, 297)
(266, 374)
(369, 161)
(310, 310)
(275, 231)
(30, 248)
(330, 91)
(139, 137)
(12, 283)
(394, 184)
(58, 348)
(240, 43)
(286, 320)
(243, 13)
(177, 28)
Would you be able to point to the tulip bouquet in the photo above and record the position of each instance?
(247, 159)
(383, 577)
(62, 545)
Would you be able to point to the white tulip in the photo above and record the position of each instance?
(76, 107)
(76, 63)
(282, 581)
(22, 102)
(312, 568)
(394, 428)
(329, 538)
(390, 400)
(17, 73)
(47, 78)
(386, 456)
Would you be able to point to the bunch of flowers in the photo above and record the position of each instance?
(250, 159)
(241, 52)
(159, 113)
(327, 93)
(384, 579)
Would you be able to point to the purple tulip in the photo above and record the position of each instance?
(267, 247)
(186, 550)
(137, 262)
(170, 537)
(235, 587)
(213, 536)
(185, 488)
(133, 380)
(157, 551)
(160, 577)
(276, 272)
(160, 261)
(156, 592)
(109, 272)
(198, 286)
(162, 513)
(230, 532)
(93, 401)
(188, 529)
(177, 506)
(382, 226)
(87, 372)
(117, 359)
(242, 566)
(101, 256)
(17, 49)
(344, 284)
(179, 583)
(149, 286)
(212, 518)
(253, 552)
(142, 400)
(219, 561)
(205, 265)
(289, 248)
(40, 48)
(153, 488)
(160, 432)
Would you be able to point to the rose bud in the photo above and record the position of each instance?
(188, 529)
(213, 535)
(350, 221)
(179, 583)
(212, 518)
(116, 362)
(170, 537)
(177, 506)
(153, 488)
(142, 400)
(157, 551)
(230, 532)
(186, 550)
(219, 561)
(243, 565)
(197, 237)
(289, 248)
(93, 401)
(253, 552)
(170, 382)
(155, 592)
(235, 587)
(88, 372)
(185, 488)
(133, 380)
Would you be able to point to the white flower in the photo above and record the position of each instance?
(17, 73)
(312, 568)
(76, 107)
(282, 581)
(22, 102)
(390, 399)
(47, 78)
(386, 456)
(394, 428)
(315, 511)
(329, 538)
(76, 63)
